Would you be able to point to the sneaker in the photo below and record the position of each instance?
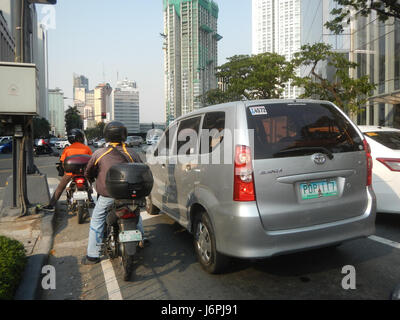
(87, 261)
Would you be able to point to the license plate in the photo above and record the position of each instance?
(80, 195)
(318, 189)
(130, 236)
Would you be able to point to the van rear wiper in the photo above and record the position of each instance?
(316, 149)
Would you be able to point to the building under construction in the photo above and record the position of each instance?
(191, 53)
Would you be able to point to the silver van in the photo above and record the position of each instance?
(254, 179)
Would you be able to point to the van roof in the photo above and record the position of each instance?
(247, 103)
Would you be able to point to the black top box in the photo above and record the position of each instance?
(129, 181)
(76, 164)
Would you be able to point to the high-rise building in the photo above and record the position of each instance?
(6, 40)
(283, 26)
(80, 100)
(314, 15)
(126, 105)
(80, 87)
(276, 28)
(375, 47)
(102, 102)
(41, 60)
(57, 112)
(191, 53)
(34, 45)
(89, 120)
(80, 81)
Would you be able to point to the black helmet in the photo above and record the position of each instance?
(76, 135)
(115, 131)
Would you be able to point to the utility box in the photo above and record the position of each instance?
(19, 89)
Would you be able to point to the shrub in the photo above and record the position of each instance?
(12, 264)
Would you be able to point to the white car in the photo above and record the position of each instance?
(153, 140)
(6, 138)
(385, 148)
(61, 144)
(100, 144)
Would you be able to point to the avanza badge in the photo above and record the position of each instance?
(257, 111)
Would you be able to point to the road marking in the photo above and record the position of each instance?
(114, 292)
(385, 241)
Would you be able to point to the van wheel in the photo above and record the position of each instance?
(205, 246)
(150, 207)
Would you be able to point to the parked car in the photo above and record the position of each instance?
(62, 143)
(5, 138)
(100, 143)
(6, 146)
(294, 175)
(385, 151)
(53, 141)
(134, 141)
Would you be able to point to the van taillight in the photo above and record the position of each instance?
(369, 162)
(243, 184)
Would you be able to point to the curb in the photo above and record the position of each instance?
(29, 288)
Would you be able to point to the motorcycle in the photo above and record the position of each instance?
(78, 201)
(79, 189)
(41, 148)
(128, 184)
(44, 149)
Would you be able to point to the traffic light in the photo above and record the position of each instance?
(43, 1)
(103, 115)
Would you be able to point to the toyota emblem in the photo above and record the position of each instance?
(319, 158)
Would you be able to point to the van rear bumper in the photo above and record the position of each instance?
(240, 233)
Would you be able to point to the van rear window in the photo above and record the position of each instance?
(301, 128)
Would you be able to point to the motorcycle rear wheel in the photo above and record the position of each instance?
(127, 265)
(82, 213)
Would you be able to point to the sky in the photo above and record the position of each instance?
(102, 39)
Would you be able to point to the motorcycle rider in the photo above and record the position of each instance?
(42, 143)
(76, 138)
(115, 134)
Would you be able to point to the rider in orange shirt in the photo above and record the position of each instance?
(76, 138)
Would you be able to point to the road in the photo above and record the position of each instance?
(167, 269)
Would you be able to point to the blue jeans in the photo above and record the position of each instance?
(97, 223)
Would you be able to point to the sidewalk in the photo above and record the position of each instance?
(35, 232)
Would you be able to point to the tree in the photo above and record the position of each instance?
(217, 96)
(73, 119)
(262, 76)
(41, 127)
(343, 14)
(347, 93)
(96, 132)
